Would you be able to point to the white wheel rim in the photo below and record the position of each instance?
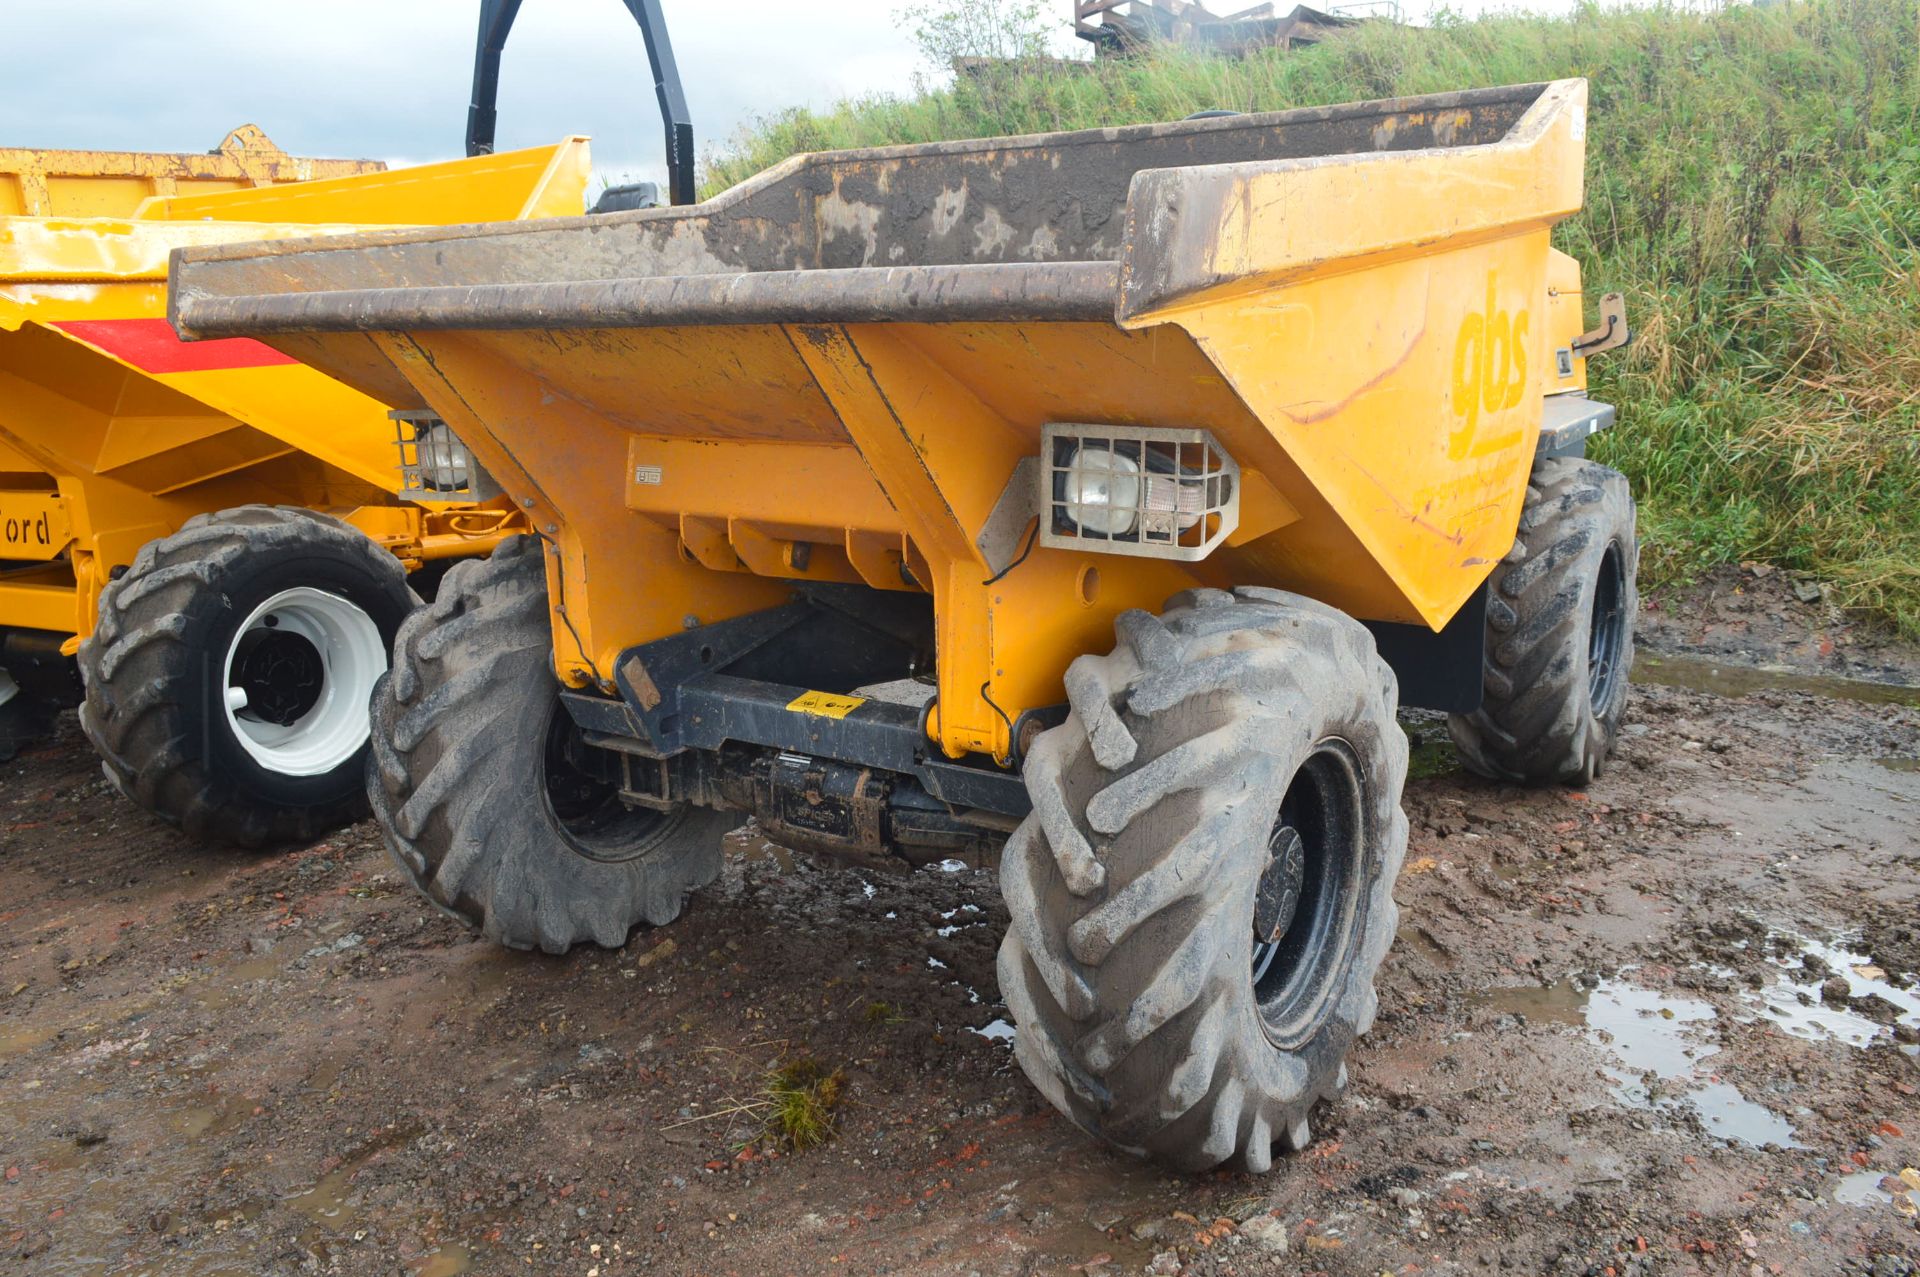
(352, 657)
(8, 688)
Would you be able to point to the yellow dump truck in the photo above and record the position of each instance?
(219, 531)
(1106, 490)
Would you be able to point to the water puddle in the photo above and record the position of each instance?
(327, 1205)
(231, 985)
(761, 851)
(446, 1260)
(1794, 1000)
(1899, 764)
(1515, 870)
(1657, 1051)
(1413, 938)
(1558, 1003)
(200, 1121)
(1698, 674)
(1876, 1188)
(18, 1039)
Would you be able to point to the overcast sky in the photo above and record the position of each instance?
(389, 79)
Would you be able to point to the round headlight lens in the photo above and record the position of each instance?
(1102, 491)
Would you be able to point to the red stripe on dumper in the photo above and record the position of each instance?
(151, 346)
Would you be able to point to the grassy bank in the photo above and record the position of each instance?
(1754, 189)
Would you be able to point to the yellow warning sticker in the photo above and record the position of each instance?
(826, 704)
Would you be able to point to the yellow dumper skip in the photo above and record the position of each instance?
(113, 433)
(1087, 501)
(1370, 332)
(221, 534)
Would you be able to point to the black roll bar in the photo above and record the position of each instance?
(496, 21)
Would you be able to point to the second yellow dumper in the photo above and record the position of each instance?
(218, 530)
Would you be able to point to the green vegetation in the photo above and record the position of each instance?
(885, 1013)
(1754, 190)
(802, 1096)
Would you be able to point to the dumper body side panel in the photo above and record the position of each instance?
(1394, 350)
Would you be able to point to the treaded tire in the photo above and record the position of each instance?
(1547, 718)
(154, 670)
(458, 777)
(1132, 885)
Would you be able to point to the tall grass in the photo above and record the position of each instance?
(1753, 188)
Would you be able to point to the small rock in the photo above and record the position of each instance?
(1876, 1008)
(1836, 990)
(1244, 1211)
(1267, 1233)
(1405, 1197)
(259, 946)
(1807, 591)
(662, 950)
(1164, 1264)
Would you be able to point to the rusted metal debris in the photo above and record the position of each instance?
(1119, 27)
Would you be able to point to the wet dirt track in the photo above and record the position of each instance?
(1602, 1048)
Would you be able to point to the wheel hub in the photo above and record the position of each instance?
(1607, 630)
(296, 680)
(583, 797)
(1306, 904)
(1278, 897)
(281, 672)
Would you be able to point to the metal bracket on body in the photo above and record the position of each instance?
(1612, 333)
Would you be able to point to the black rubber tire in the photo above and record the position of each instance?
(1131, 886)
(457, 777)
(154, 705)
(1541, 722)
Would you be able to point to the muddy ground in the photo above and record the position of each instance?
(1665, 1025)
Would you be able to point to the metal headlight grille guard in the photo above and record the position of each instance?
(434, 464)
(1176, 477)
